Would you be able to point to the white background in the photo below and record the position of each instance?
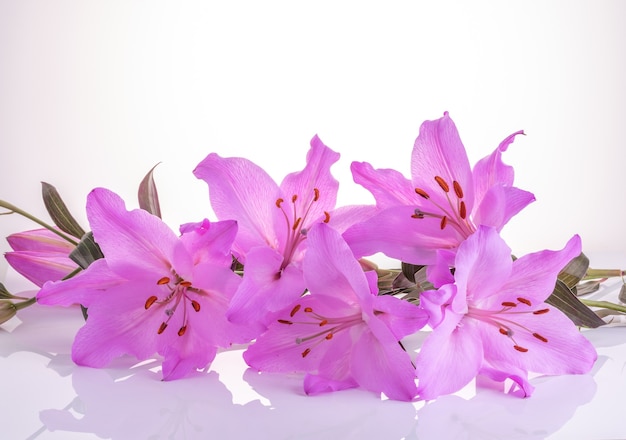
(94, 93)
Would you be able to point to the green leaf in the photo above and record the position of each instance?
(409, 270)
(574, 271)
(59, 213)
(565, 300)
(587, 287)
(86, 252)
(148, 196)
(4, 293)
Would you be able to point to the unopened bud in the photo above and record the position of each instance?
(7, 310)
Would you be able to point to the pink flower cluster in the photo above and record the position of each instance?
(304, 303)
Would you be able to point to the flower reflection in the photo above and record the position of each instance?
(494, 415)
(351, 414)
(111, 404)
(133, 407)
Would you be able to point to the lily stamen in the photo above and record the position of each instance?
(331, 325)
(176, 293)
(456, 212)
(297, 224)
(505, 325)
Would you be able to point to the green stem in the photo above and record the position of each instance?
(604, 305)
(72, 273)
(15, 209)
(24, 304)
(603, 273)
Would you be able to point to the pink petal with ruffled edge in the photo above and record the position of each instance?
(242, 191)
(389, 187)
(438, 151)
(135, 243)
(314, 182)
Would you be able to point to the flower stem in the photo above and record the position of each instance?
(14, 209)
(604, 305)
(603, 273)
(24, 304)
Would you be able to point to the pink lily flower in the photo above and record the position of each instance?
(153, 292)
(273, 222)
(342, 335)
(40, 255)
(443, 203)
(491, 318)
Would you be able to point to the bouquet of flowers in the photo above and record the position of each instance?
(283, 270)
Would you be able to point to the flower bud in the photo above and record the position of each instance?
(40, 255)
(7, 310)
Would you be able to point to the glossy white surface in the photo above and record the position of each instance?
(46, 396)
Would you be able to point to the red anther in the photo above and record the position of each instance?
(294, 310)
(196, 305)
(162, 328)
(326, 217)
(279, 201)
(457, 189)
(541, 338)
(329, 336)
(297, 223)
(504, 331)
(442, 183)
(185, 283)
(509, 304)
(308, 309)
(520, 349)
(462, 210)
(294, 198)
(524, 301)
(444, 222)
(182, 330)
(163, 280)
(305, 352)
(323, 322)
(316, 197)
(150, 301)
(285, 321)
(422, 193)
(541, 311)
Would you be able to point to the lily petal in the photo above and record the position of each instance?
(438, 151)
(315, 176)
(491, 171)
(242, 191)
(134, 242)
(208, 241)
(534, 275)
(379, 364)
(265, 289)
(401, 317)
(500, 204)
(83, 288)
(554, 344)
(39, 267)
(389, 187)
(395, 233)
(483, 265)
(449, 358)
(108, 334)
(330, 266)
